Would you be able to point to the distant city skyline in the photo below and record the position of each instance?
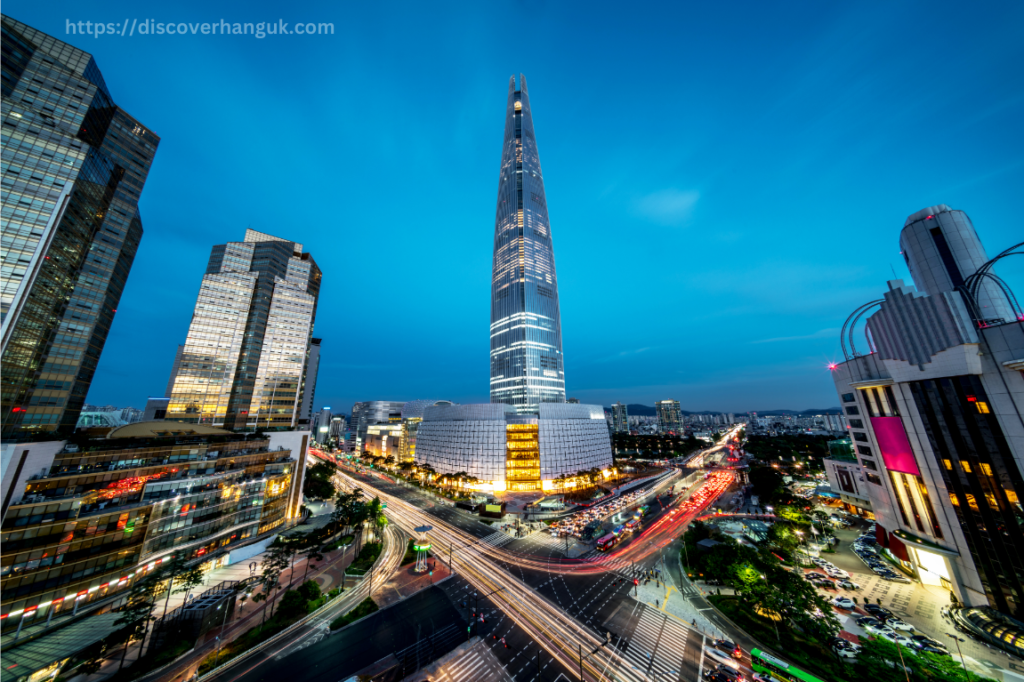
(722, 202)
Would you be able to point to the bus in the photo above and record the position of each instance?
(632, 525)
(607, 542)
(762, 662)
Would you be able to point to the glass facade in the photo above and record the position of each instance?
(510, 451)
(244, 361)
(526, 331)
(83, 528)
(983, 480)
(74, 165)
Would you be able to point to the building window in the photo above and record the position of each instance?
(868, 464)
(864, 450)
(849, 398)
(860, 437)
(856, 423)
(852, 410)
(873, 479)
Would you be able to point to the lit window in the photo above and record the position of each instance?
(1010, 495)
(953, 500)
(966, 466)
(986, 469)
(983, 407)
(949, 465)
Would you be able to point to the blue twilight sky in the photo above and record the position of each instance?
(725, 181)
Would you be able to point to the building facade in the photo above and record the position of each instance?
(248, 342)
(846, 477)
(620, 418)
(505, 450)
(80, 522)
(670, 417)
(309, 382)
(935, 413)
(372, 412)
(526, 329)
(74, 168)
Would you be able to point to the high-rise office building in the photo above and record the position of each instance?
(526, 329)
(364, 414)
(74, 167)
(245, 356)
(309, 383)
(670, 418)
(934, 409)
(174, 370)
(620, 418)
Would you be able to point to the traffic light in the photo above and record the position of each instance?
(635, 581)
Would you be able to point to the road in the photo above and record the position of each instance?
(559, 606)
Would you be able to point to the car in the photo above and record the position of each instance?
(846, 651)
(844, 603)
(837, 573)
(897, 638)
(730, 673)
(925, 640)
(897, 578)
(879, 630)
(934, 650)
(729, 647)
(897, 624)
(848, 585)
(868, 620)
(825, 583)
(878, 610)
(715, 676)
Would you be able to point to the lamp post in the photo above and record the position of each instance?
(959, 651)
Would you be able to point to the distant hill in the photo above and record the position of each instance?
(650, 411)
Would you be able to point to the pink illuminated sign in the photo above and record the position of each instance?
(892, 441)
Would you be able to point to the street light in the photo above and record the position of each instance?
(958, 650)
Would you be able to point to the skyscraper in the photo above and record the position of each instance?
(526, 330)
(75, 164)
(245, 356)
(620, 418)
(934, 410)
(309, 382)
(670, 418)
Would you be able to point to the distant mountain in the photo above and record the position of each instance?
(649, 411)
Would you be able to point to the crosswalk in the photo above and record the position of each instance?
(622, 567)
(497, 539)
(657, 645)
(476, 665)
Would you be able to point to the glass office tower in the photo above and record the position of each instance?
(74, 165)
(248, 343)
(526, 329)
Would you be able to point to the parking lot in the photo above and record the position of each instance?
(915, 604)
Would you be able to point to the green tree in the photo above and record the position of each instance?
(137, 612)
(318, 484)
(782, 536)
(273, 564)
(313, 549)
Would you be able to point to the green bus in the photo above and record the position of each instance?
(762, 662)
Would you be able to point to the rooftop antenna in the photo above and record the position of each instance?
(893, 271)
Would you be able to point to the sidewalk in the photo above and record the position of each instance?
(327, 573)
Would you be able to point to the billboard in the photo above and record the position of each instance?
(495, 508)
(892, 441)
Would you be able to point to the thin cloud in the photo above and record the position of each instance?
(669, 206)
(821, 333)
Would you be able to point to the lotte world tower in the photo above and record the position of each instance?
(526, 330)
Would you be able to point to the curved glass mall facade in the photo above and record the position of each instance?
(510, 451)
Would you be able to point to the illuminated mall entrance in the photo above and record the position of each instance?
(522, 457)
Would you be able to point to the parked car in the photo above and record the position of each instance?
(934, 650)
(897, 624)
(844, 603)
(897, 578)
(837, 573)
(848, 585)
(879, 630)
(925, 640)
(847, 650)
(897, 638)
(878, 611)
(864, 621)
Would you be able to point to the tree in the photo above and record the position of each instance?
(138, 609)
(318, 484)
(313, 550)
(783, 537)
(272, 566)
